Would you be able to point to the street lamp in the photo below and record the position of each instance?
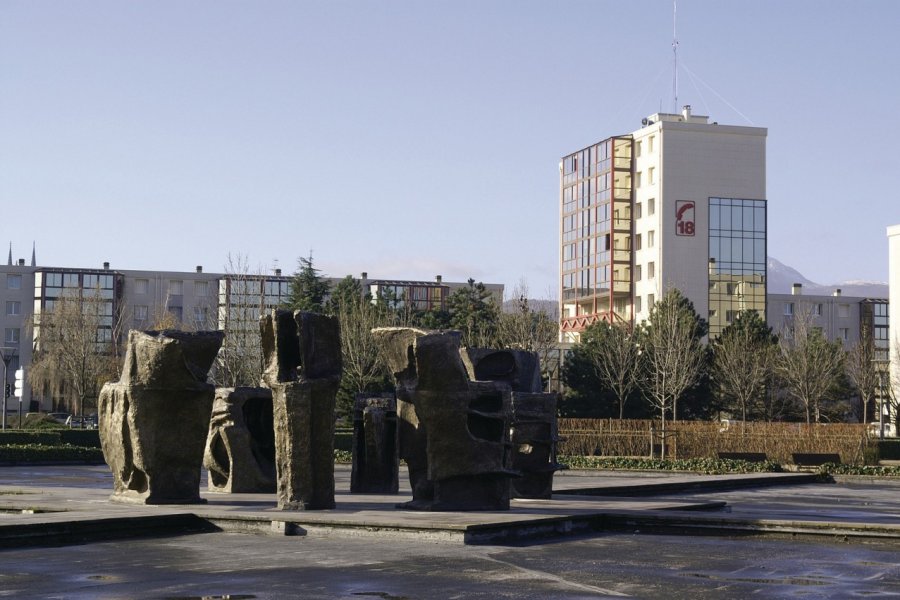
(7, 355)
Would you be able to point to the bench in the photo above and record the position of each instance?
(747, 456)
(815, 459)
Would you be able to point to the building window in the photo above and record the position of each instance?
(651, 300)
(844, 333)
(637, 242)
(176, 287)
(201, 316)
(651, 206)
(141, 312)
(729, 316)
(637, 304)
(637, 272)
(14, 282)
(650, 141)
(177, 312)
(651, 270)
(141, 286)
(13, 307)
(843, 310)
(201, 288)
(637, 210)
(651, 238)
(637, 148)
(637, 179)
(789, 309)
(12, 335)
(651, 175)
(817, 310)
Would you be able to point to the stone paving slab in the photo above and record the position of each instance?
(74, 504)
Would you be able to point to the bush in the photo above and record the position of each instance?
(28, 453)
(24, 437)
(698, 465)
(88, 438)
(833, 469)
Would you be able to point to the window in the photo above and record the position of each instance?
(637, 210)
(13, 307)
(651, 270)
(637, 148)
(141, 286)
(650, 141)
(12, 335)
(176, 287)
(637, 179)
(651, 238)
(817, 310)
(177, 312)
(651, 175)
(651, 206)
(844, 333)
(843, 310)
(651, 300)
(789, 309)
(637, 242)
(637, 272)
(729, 316)
(201, 288)
(14, 282)
(141, 312)
(201, 316)
(637, 304)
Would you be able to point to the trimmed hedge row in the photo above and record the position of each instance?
(26, 453)
(88, 438)
(698, 465)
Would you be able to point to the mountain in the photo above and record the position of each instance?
(782, 277)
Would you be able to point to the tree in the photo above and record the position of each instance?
(616, 358)
(240, 358)
(75, 348)
(308, 289)
(863, 370)
(474, 313)
(524, 328)
(742, 361)
(809, 364)
(673, 353)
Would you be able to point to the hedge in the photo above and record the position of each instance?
(27, 453)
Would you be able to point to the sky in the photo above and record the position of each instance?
(409, 139)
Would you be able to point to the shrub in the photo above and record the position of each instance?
(27, 453)
(698, 465)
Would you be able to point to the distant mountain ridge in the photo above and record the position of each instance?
(782, 278)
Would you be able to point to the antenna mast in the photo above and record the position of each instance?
(675, 57)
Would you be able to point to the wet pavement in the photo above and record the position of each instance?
(629, 559)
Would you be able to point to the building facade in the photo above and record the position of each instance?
(680, 203)
(143, 299)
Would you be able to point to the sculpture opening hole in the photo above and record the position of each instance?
(485, 428)
(223, 461)
(497, 365)
(487, 403)
(260, 423)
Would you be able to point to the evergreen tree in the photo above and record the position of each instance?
(742, 362)
(475, 314)
(308, 289)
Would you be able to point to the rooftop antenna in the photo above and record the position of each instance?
(674, 56)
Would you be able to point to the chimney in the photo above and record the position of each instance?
(837, 293)
(365, 275)
(686, 112)
(21, 262)
(277, 272)
(797, 289)
(106, 266)
(199, 268)
(437, 278)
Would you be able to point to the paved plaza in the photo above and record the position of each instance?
(786, 537)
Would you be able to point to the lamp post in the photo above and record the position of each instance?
(7, 355)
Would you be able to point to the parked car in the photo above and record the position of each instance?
(60, 417)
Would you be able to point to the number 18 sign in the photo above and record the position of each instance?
(684, 217)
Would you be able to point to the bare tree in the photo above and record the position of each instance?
(809, 365)
(673, 353)
(75, 348)
(240, 359)
(616, 357)
(742, 360)
(863, 371)
(525, 328)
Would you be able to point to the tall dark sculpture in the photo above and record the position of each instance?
(240, 448)
(153, 422)
(454, 432)
(376, 465)
(302, 351)
(534, 430)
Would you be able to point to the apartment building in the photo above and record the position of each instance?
(680, 202)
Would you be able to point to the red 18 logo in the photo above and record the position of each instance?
(684, 217)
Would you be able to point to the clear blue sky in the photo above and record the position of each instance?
(410, 139)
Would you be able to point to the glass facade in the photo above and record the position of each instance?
(596, 253)
(737, 260)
